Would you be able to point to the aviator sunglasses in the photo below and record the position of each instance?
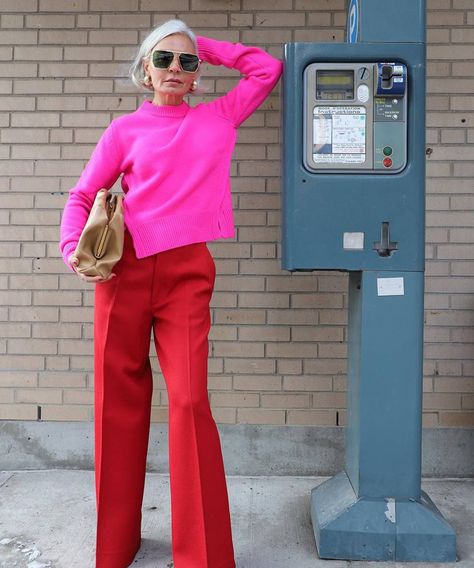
(188, 62)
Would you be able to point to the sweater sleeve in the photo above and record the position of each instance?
(102, 170)
(261, 71)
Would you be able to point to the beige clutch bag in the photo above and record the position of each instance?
(100, 245)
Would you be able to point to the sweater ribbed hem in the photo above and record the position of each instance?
(178, 230)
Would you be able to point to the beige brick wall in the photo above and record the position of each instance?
(278, 339)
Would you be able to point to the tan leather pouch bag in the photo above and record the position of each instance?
(100, 245)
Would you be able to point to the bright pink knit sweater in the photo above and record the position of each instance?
(175, 160)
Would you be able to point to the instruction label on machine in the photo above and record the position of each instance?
(388, 109)
(339, 134)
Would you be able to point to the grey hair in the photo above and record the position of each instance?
(137, 70)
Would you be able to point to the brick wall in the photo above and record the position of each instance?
(278, 339)
(449, 298)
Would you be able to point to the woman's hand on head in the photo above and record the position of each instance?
(74, 261)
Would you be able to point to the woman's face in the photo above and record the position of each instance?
(166, 91)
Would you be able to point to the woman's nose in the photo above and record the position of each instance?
(175, 63)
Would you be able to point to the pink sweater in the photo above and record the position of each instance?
(175, 160)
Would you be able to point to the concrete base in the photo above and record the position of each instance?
(352, 528)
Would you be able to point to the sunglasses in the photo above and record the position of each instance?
(187, 61)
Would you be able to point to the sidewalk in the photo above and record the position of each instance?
(47, 520)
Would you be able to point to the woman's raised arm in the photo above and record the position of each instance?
(261, 71)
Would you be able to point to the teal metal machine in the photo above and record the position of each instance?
(353, 184)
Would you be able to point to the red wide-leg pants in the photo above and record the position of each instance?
(168, 292)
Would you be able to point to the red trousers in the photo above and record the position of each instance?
(168, 292)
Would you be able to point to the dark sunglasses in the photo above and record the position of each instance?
(187, 61)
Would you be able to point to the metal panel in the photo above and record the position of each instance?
(388, 20)
(318, 208)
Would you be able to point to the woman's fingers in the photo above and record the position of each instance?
(74, 261)
(111, 275)
(97, 278)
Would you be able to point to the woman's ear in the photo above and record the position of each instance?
(145, 63)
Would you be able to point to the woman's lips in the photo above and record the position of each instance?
(173, 81)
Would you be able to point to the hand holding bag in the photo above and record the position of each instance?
(100, 245)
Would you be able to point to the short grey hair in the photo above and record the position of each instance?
(137, 70)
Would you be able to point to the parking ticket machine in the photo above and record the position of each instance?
(355, 117)
(353, 200)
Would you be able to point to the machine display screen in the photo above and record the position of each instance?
(335, 84)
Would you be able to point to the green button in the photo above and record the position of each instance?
(387, 151)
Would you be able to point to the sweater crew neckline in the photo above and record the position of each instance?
(164, 110)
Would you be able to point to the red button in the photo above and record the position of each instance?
(387, 162)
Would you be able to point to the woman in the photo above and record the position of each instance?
(175, 160)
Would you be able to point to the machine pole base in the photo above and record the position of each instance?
(348, 527)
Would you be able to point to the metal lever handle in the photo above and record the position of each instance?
(385, 246)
